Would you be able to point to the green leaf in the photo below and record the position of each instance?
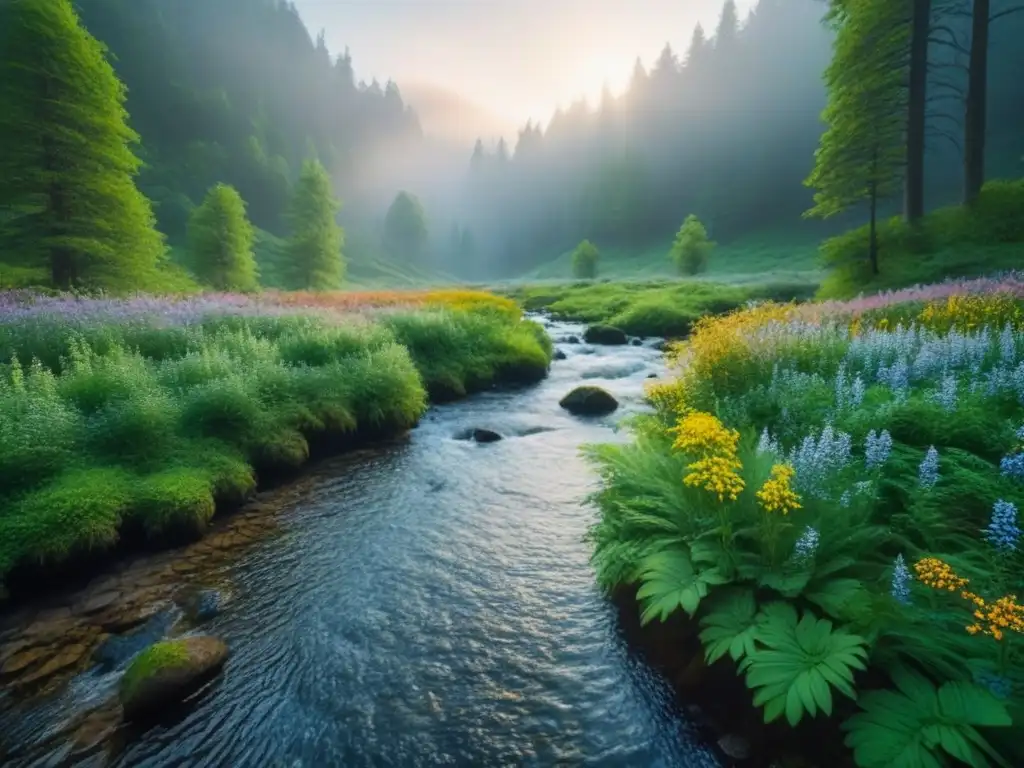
(669, 582)
(730, 626)
(803, 660)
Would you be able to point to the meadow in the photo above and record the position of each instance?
(826, 496)
(131, 421)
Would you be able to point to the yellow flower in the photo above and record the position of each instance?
(776, 495)
(717, 474)
(934, 573)
(704, 435)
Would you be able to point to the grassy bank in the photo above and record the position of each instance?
(828, 493)
(953, 242)
(666, 308)
(138, 418)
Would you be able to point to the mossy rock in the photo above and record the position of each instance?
(169, 671)
(605, 334)
(589, 401)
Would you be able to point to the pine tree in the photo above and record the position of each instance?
(314, 248)
(220, 242)
(862, 154)
(67, 167)
(728, 27)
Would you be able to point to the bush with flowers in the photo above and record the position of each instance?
(833, 500)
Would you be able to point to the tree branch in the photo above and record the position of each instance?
(1007, 12)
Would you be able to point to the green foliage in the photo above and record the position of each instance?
(691, 248)
(142, 425)
(730, 626)
(405, 228)
(67, 170)
(915, 724)
(800, 663)
(656, 308)
(584, 261)
(948, 242)
(669, 580)
(861, 156)
(314, 246)
(221, 242)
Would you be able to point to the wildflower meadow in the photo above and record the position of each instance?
(133, 420)
(831, 495)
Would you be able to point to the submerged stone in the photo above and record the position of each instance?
(169, 671)
(589, 401)
(559, 355)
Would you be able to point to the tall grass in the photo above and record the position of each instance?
(141, 424)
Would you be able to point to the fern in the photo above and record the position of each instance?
(917, 726)
(670, 581)
(803, 660)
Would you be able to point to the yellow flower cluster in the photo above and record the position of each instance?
(703, 434)
(970, 311)
(934, 573)
(717, 469)
(717, 474)
(996, 618)
(776, 495)
(667, 397)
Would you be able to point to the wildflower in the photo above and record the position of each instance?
(946, 394)
(857, 392)
(768, 444)
(703, 434)
(901, 579)
(1013, 466)
(934, 573)
(1002, 532)
(928, 472)
(862, 487)
(818, 458)
(998, 686)
(776, 495)
(877, 448)
(995, 619)
(806, 545)
(718, 475)
(846, 499)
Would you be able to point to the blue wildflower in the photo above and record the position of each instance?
(806, 545)
(998, 686)
(1002, 532)
(928, 472)
(901, 579)
(857, 392)
(946, 393)
(877, 448)
(846, 499)
(1012, 466)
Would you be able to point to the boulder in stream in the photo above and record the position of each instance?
(638, 342)
(605, 334)
(167, 672)
(589, 401)
(559, 355)
(479, 435)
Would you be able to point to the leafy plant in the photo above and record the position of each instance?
(800, 664)
(691, 248)
(584, 261)
(730, 627)
(919, 725)
(670, 581)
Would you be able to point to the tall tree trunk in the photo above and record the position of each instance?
(913, 203)
(977, 104)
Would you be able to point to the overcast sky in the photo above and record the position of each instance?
(519, 59)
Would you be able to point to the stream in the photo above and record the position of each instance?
(424, 602)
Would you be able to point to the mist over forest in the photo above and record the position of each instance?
(723, 124)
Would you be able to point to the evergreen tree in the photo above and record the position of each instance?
(862, 153)
(728, 27)
(220, 242)
(405, 228)
(66, 163)
(314, 248)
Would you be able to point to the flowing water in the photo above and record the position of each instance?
(428, 602)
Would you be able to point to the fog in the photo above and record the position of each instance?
(522, 126)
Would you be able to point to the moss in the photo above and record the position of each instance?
(165, 654)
